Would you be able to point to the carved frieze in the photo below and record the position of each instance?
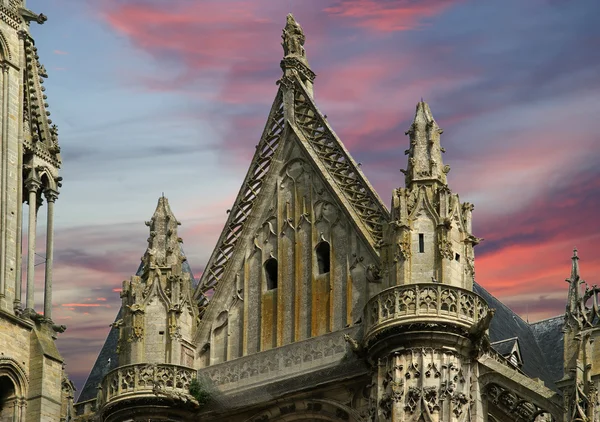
(423, 381)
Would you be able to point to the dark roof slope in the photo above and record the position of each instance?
(550, 337)
(506, 324)
(106, 361)
(505, 347)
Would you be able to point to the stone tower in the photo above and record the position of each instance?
(32, 383)
(158, 317)
(581, 383)
(158, 312)
(425, 331)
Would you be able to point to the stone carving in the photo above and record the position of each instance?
(271, 363)
(147, 380)
(339, 164)
(445, 247)
(293, 38)
(440, 301)
(243, 204)
(423, 381)
(513, 405)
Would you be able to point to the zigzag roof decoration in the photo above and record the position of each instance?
(244, 202)
(340, 165)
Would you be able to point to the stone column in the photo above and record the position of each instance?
(3, 178)
(51, 196)
(32, 187)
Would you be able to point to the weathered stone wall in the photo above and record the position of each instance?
(318, 281)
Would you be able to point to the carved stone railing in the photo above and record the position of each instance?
(144, 380)
(422, 303)
(283, 362)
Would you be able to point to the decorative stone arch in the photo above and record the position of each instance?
(307, 410)
(13, 390)
(512, 402)
(46, 179)
(5, 53)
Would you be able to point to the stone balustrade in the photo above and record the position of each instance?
(422, 303)
(144, 380)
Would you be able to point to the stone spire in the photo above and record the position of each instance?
(160, 296)
(575, 312)
(163, 243)
(294, 56)
(425, 165)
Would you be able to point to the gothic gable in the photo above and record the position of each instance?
(302, 269)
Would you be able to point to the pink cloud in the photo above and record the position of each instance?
(389, 16)
(60, 52)
(83, 305)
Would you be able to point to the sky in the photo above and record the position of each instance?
(154, 96)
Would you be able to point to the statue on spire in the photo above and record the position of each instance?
(293, 38)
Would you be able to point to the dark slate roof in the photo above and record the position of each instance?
(550, 338)
(109, 350)
(505, 347)
(102, 366)
(506, 324)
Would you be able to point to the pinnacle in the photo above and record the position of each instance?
(163, 243)
(425, 165)
(293, 39)
(575, 266)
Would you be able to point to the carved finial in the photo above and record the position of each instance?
(293, 38)
(163, 236)
(575, 266)
(425, 152)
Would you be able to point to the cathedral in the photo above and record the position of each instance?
(318, 303)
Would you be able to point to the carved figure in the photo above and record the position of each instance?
(293, 38)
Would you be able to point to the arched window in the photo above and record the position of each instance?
(271, 273)
(323, 251)
(7, 399)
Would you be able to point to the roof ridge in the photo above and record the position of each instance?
(547, 319)
(344, 171)
(244, 202)
(505, 340)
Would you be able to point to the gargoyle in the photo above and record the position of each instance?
(29, 16)
(478, 333)
(354, 345)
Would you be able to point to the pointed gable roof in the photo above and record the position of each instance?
(295, 112)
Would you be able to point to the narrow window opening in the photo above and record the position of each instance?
(271, 273)
(421, 243)
(323, 251)
(457, 257)
(161, 332)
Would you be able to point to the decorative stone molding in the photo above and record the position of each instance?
(423, 381)
(285, 361)
(426, 302)
(340, 166)
(144, 380)
(515, 406)
(242, 207)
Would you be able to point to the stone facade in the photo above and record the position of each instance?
(33, 386)
(317, 303)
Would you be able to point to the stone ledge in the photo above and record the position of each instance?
(280, 363)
